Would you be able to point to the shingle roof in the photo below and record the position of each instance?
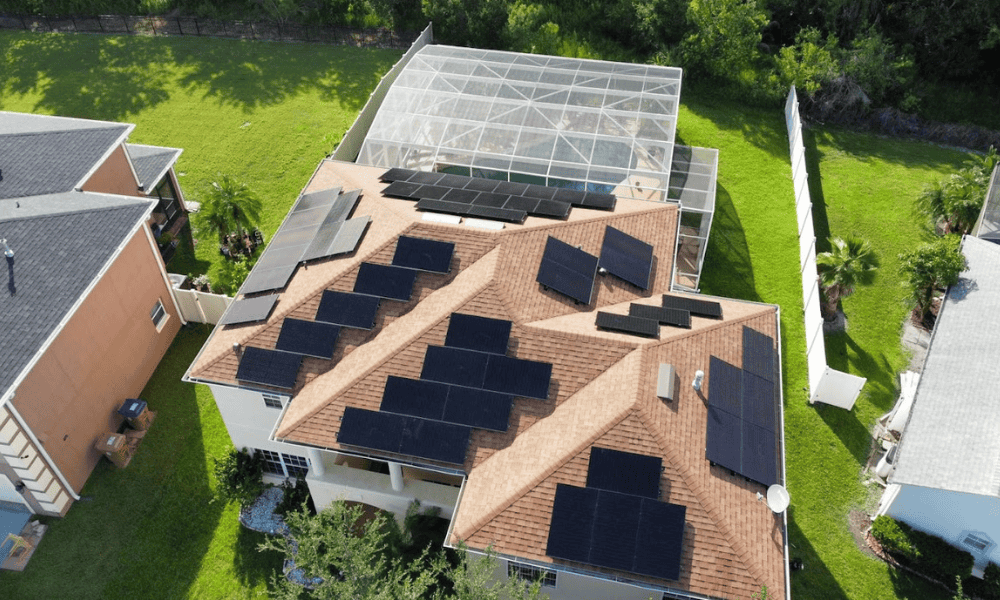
(151, 162)
(603, 387)
(951, 441)
(56, 257)
(52, 161)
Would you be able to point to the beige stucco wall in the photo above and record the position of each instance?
(105, 354)
(114, 176)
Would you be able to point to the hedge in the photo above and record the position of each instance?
(921, 551)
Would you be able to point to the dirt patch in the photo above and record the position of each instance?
(859, 522)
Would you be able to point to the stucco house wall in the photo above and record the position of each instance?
(114, 176)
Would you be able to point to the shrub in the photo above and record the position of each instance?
(294, 496)
(921, 551)
(240, 476)
(987, 588)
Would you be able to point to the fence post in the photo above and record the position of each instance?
(197, 27)
(253, 33)
(100, 23)
(75, 28)
(152, 24)
(125, 21)
(180, 28)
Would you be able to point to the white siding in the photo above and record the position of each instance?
(250, 422)
(949, 515)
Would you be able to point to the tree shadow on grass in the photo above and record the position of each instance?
(866, 147)
(111, 77)
(814, 580)
(728, 270)
(254, 567)
(821, 223)
(764, 128)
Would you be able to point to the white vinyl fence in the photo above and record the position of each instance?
(201, 307)
(825, 384)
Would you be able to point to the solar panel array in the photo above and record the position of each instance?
(468, 383)
(617, 521)
(626, 257)
(488, 198)
(248, 310)
(567, 270)
(348, 309)
(308, 338)
(423, 255)
(268, 367)
(700, 308)
(743, 426)
(385, 281)
(316, 227)
(628, 324)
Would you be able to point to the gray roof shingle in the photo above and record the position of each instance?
(52, 161)
(151, 162)
(56, 256)
(951, 441)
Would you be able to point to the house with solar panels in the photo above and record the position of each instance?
(518, 357)
(87, 312)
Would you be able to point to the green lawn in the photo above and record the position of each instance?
(265, 113)
(269, 112)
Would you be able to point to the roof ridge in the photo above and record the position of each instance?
(624, 370)
(54, 131)
(600, 217)
(444, 297)
(138, 201)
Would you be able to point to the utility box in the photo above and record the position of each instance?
(665, 383)
(115, 446)
(137, 413)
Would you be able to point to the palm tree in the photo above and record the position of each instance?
(230, 206)
(851, 262)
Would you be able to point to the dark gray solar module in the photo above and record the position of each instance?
(453, 181)
(451, 208)
(758, 353)
(551, 209)
(248, 310)
(497, 214)
(385, 281)
(349, 236)
(539, 191)
(598, 201)
(567, 270)
(760, 457)
(308, 338)
(521, 203)
(268, 367)
(481, 185)
(343, 206)
(572, 523)
(572, 197)
(724, 439)
(664, 316)
(316, 199)
(348, 310)
(460, 196)
(371, 429)
(628, 324)
(624, 472)
(759, 402)
(616, 525)
(414, 397)
(425, 177)
(626, 257)
(396, 174)
(481, 409)
(423, 254)
(518, 377)
(510, 187)
(399, 434)
(401, 189)
(431, 192)
(264, 280)
(700, 308)
(660, 540)
(478, 333)
(456, 366)
(725, 386)
(490, 199)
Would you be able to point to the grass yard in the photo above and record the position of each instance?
(265, 113)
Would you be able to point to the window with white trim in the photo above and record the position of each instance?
(158, 315)
(296, 466)
(284, 465)
(977, 541)
(272, 463)
(531, 574)
(272, 401)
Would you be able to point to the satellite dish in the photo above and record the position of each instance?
(778, 498)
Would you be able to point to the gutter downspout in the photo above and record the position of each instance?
(9, 402)
(784, 467)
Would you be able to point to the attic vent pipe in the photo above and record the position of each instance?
(6, 249)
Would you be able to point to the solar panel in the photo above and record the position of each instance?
(338, 238)
(460, 196)
(347, 309)
(498, 214)
(724, 439)
(455, 365)
(511, 187)
(371, 429)
(616, 525)
(572, 197)
(490, 199)
(624, 472)
(431, 192)
(423, 254)
(539, 191)
(451, 208)
(572, 522)
(759, 454)
(310, 338)
(725, 386)
(521, 203)
(660, 540)
(551, 209)
(453, 181)
(343, 206)
(249, 309)
(399, 434)
(481, 185)
(264, 280)
(385, 281)
(598, 201)
(396, 174)
(759, 406)
(425, 177)
(268, 367)
(567, 270)
(414, 397)
(628, 324)
(664, 316)
(626, 257)
(401, 189)
(518, 377)
(478, 333)
(481, 409)
(701, 308)
(758, 353)
(316, 199)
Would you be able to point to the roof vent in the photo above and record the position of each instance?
(6, 249)
(665, 387)
(699, 377)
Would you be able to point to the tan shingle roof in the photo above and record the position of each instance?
(603, 389)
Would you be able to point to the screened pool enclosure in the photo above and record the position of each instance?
(554, 121)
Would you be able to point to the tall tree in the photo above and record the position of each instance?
(724, 36)
(229, 206)
(851, 262)
(934, 265)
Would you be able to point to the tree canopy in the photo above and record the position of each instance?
(849, 263)
(930, 267)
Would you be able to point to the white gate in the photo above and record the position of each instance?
(201, 307)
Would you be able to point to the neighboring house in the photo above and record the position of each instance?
(415, 355)
(946, 479)
(87, 312)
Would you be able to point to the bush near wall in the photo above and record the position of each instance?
(921, 551)
(987, 588)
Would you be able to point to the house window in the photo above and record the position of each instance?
(284, 465)
(158, 315)
(272, 463)
(977, 541)
(297, 466)
(272, 401)
(531, 574)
